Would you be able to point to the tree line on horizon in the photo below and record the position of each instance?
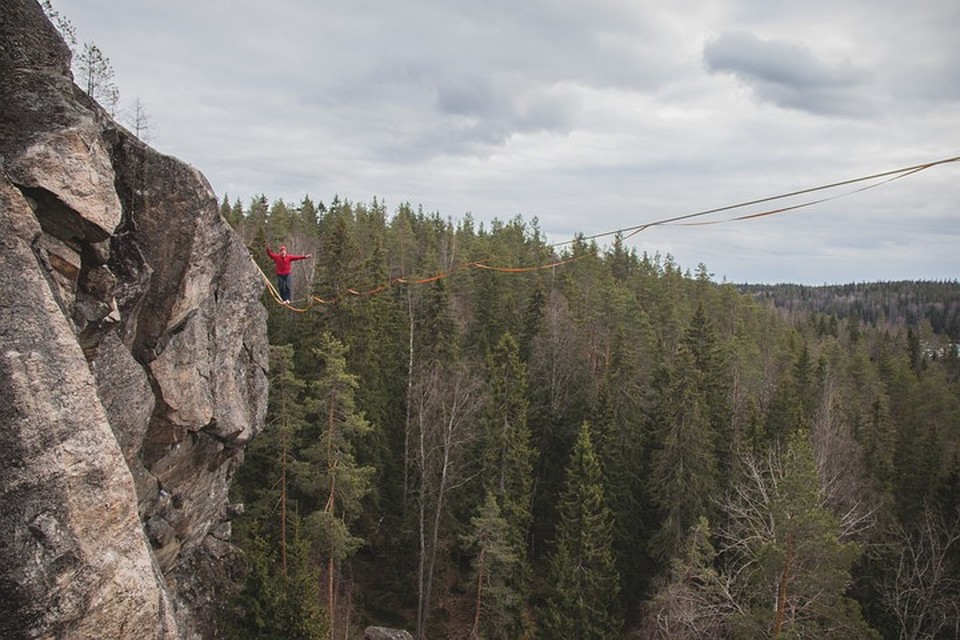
(932, 307)
(614, 447)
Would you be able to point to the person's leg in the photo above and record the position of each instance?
(283, 284)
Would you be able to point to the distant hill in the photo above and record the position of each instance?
(897, 304)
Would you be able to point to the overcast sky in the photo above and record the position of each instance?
(588, 115)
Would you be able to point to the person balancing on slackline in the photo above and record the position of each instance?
(282, 262)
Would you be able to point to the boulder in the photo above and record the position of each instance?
(384, 633)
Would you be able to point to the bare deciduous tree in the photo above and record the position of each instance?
(843, 486)
(140, 121)
(555, 355)
(924, 592)
(697, 600)
(447, 400)
(784, 551)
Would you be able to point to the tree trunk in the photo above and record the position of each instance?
(782, 591)
(283, 510)
(406, 425)
(475, 632)
(331, 469)
(421, 565)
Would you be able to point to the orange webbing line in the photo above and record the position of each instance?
(480, 265)
(392, 282)
(272, 289)
(276, 294)
(311, 300)
(440, 276)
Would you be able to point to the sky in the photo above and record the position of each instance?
(585, 116)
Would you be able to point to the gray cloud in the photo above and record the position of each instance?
(480, 112)
(789, 74)
(591, 115)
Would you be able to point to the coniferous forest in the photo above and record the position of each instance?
(615, 446)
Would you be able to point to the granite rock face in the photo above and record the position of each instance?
(133, 357)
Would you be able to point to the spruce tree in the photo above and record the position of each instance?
(274, 606)
(263, 480)
(308, 216)
(257, 212)
(280, 220)
(693, 602)
(506, 472)
(506, 451)
(623, 440)
(583, 584)
(498, 603)
(710, 360)
(280, 596)
(683, 475)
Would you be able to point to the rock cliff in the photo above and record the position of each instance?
(133, 357)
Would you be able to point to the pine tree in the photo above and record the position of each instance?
(288, 414)
(583, 584)
(785, 550)
(67, 31)
(263, 479)
(334, 478)
(95, 73)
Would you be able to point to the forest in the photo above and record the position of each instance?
(897, 303)
(474, 434)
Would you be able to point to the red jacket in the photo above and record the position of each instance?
(283, 262)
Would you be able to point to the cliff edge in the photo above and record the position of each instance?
(133, 358)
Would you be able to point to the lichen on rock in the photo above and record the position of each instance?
(134, 356)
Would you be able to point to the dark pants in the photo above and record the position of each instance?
(283, 284)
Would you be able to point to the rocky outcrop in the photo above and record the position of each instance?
(134, 352)
(384, 633)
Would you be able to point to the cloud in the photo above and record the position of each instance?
(589, 115)
(790, 75)
(478, 111)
